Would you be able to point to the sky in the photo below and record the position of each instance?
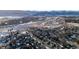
(39, 5)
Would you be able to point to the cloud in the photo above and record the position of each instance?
(39, 5)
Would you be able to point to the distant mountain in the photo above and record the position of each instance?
(37, 13)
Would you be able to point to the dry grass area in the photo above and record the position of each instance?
(74, 24)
